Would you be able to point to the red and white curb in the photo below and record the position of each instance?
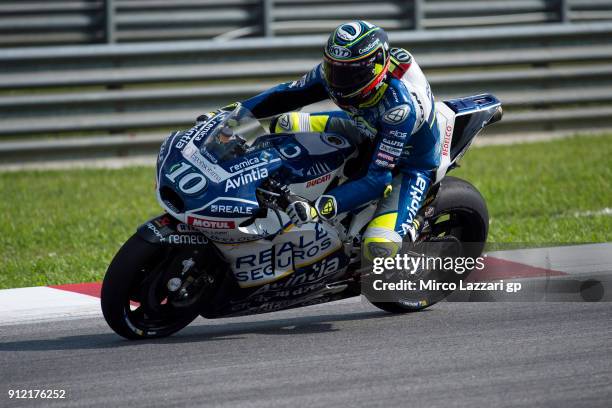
(29, 305)
(63, 302)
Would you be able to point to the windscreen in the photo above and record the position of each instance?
(233, 135)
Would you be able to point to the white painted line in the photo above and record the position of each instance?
(71, 164)
(603, 211)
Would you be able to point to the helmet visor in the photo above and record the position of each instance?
(346, 77)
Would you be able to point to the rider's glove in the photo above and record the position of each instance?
(208, 116)
(205, 117)
(301, 211)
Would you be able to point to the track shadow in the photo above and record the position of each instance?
(219, 332)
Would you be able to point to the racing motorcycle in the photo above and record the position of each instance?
(225, 247)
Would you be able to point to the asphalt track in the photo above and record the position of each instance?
(339, 354)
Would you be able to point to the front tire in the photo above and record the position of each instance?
(460, 213)
(133, 303)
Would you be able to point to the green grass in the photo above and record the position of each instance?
(533, 191)
(65, 226)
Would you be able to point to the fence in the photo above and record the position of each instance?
(54, 22)
(549, 77)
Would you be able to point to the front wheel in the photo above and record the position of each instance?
(459, 221)
(135, 300)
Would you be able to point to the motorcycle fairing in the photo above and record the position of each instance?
(459, 121)
(264, 261)
(219, 196)
(473, 113)
(312, 162)
(309, 285)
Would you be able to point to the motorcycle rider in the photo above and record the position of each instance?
(384, 97)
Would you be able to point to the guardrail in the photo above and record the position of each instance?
(549, 77)
(37, 22)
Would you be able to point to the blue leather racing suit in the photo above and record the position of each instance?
(400, 120)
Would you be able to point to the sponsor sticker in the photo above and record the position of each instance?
(246, 178)
(394, 95)
(192, 239)
(401, 55)
(417, 190)
(446, 142)
(284, 122)
(210, 224)
(231, 209)
(208, 155)
(328, 207)
(184, 228)
(157, 233)
(203, 131)
(349, 31)
(392, 142)
(185, 138)
(383, 163)
(261, 266)
(419, 105)
(318, 181)
(198, 132)
(318, 272)
(339, 52)
(385, 156)
(191, 153)
(164, 221)
(290, 151)
(398, 134)
(369, 47)
(396, 115)
(244, 164)
(391, 150)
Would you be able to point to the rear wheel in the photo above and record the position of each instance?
(135, 300)
(459, 225)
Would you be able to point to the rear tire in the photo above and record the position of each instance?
(133, 265)
(468, 222)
